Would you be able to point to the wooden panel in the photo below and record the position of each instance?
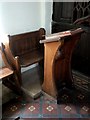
(27, 47)
(49, 82)
(57, 61)
(62, 12)
(30, 58)
(26, 42)
(81, 54)
(5, 72)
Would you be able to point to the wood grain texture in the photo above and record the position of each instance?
(49, 82)
(57, 63)
(22, 50)
(5, 72)
(27, 47)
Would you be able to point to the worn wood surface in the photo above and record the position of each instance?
(57, 63)
(22, 50)
(49, 82)
(5, 72)
(27, 47)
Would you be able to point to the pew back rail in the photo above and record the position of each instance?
(27, 47)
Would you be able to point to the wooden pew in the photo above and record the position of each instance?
(57, 64)
(23, 50)
(26, 46)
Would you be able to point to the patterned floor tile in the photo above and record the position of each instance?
(12, 110)
(84, 109)
(31, 110)
(68, 110)
(50, 110)
(46, 108)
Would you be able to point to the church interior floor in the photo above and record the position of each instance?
(73, 106)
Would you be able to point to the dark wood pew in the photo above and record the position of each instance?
(27, 47)
(23, 50)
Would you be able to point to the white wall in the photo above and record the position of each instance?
(19, 17)
(48, 16)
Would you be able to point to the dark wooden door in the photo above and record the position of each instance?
(64, 14)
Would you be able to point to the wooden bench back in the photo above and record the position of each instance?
(26, 42)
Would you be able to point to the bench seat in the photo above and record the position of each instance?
(30, 58)
(23, 50)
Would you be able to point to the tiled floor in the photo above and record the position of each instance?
(73, 106)
(45, 107)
